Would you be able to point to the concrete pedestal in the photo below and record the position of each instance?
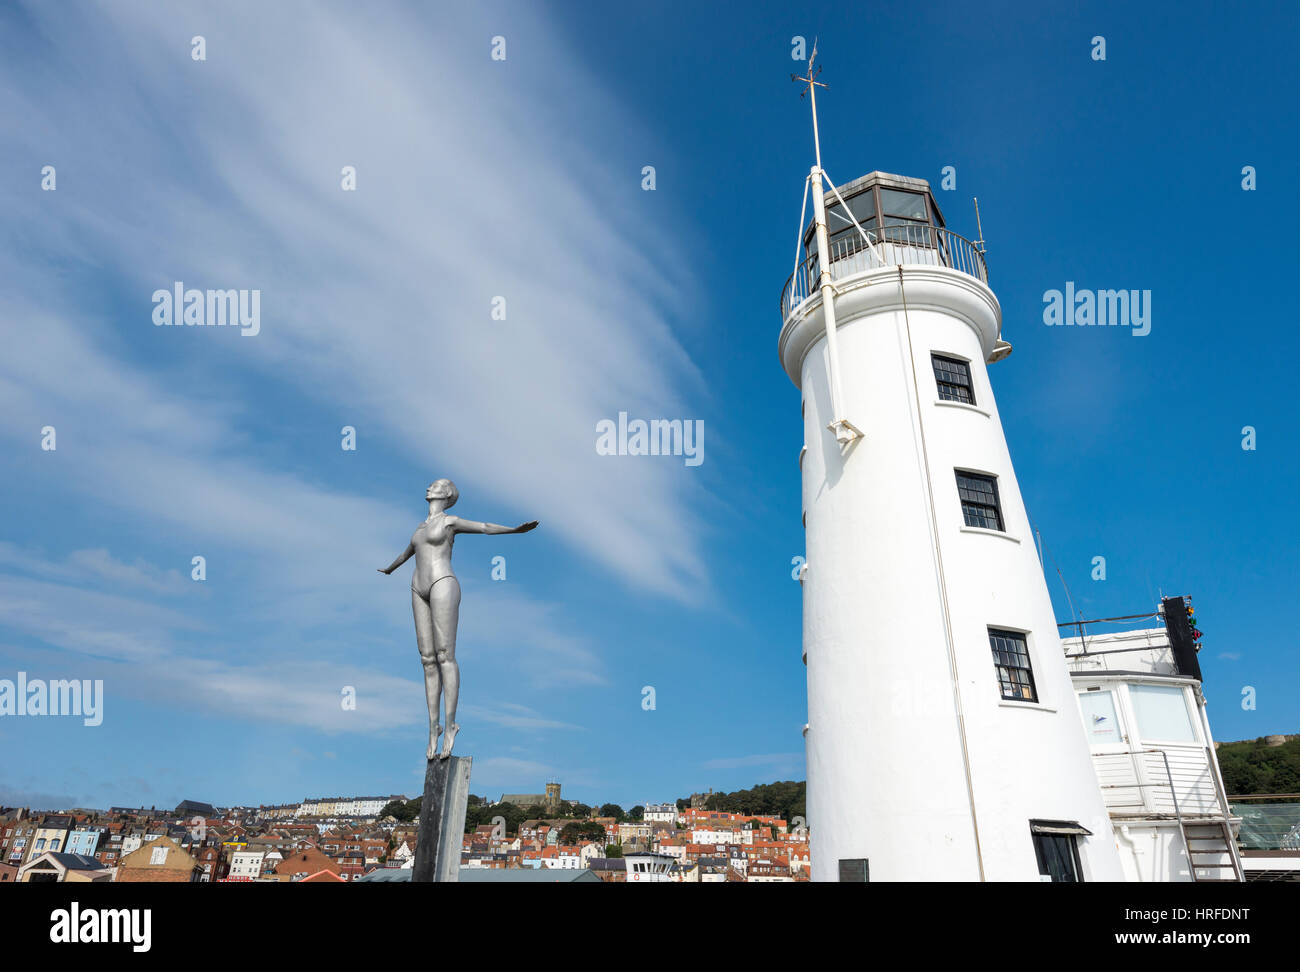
(442, 819)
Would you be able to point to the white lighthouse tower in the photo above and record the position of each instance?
(943, 738)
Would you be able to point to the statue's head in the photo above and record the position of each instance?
(443, 489)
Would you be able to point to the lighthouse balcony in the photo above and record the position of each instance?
(911, 243)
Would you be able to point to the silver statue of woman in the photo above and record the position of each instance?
(435, 602)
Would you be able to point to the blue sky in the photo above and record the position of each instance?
(522, 178)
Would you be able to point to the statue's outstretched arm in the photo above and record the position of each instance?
(402, 558)
(491, 529)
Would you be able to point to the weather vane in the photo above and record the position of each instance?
(810, 85)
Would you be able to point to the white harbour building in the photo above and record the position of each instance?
(1145, 717)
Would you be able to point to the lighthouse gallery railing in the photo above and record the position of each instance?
(910, 244)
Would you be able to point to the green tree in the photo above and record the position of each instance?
(613, 810)
(402, 810)
(613, 850)
(476, 814)
(512, 815)
(577, 831)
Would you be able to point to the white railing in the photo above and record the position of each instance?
(910, 244)
(1158, 781)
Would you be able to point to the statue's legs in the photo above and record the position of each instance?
(444, 600)
(424, 639)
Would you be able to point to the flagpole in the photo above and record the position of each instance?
(845, 431)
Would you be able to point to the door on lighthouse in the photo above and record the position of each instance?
(1119, 771)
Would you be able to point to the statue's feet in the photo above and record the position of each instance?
(432, 751)
(448, 739)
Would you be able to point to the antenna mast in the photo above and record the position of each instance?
(845, 431)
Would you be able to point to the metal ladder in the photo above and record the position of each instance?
(1209, 838)
(1208, 843)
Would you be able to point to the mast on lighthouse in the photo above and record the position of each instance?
(845, 431)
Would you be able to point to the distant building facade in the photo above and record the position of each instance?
(661, 813)
(159, 860)
(359, 806)
(550, 799)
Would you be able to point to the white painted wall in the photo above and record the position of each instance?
(1152, 851)
(886, 779)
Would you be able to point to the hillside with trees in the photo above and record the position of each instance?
(478, 811)
(1256, 766)
(786, 799)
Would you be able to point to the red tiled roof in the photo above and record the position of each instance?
(319, 877)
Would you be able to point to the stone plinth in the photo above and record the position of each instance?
(442, 819)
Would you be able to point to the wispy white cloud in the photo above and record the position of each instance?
(375, 312)
(144, 651)
(530, 637)
(225, 173)
(96, 565)
(514, 716)
(138, 574)
(35, 798)
(91, 623)
(508, 774)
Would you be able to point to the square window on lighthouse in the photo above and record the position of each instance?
(979, 500)
(1011, 659)
(952, 376)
